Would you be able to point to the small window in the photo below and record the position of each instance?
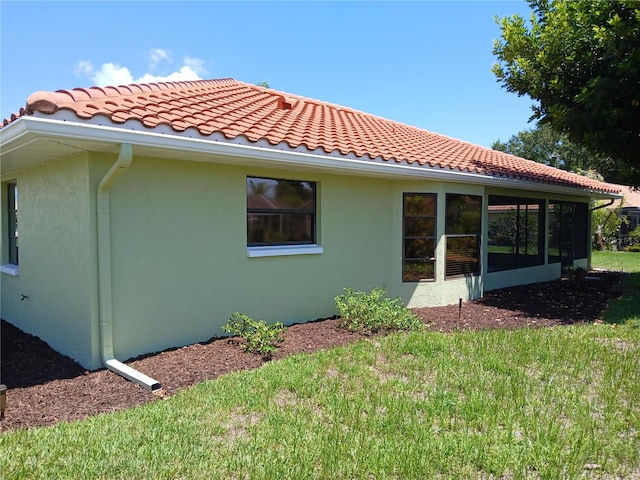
(462, 230)
(419, 237)
(280, 212)
(12, 223)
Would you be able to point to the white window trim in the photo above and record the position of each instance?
(280, 250)
(9, 269)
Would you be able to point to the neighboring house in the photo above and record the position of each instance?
(147, 214)
(629, 208)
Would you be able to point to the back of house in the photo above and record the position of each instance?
(139, 217)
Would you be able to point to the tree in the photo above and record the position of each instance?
(579, 60)
(606, 226)
(544, 145)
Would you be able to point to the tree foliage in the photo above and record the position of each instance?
(544, 145)
(606, 226)
(579, 60)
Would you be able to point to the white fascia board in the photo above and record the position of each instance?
(12, 133)
(272, 156)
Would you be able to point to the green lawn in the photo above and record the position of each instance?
(622, 261)
(532, 403)
(627, 309)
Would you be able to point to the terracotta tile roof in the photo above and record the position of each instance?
(631, 197)
(235, 109)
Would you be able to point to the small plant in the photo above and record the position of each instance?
(260, 337)
(371, 313)
(580, 273)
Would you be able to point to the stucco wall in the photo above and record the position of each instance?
(180, 264)
(55, 259)
(179, 257)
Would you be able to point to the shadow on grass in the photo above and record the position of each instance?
(626, 308)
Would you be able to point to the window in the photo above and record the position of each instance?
(516, 233)
(463, 225)
(568, 232)
(10, 232)
(280, 212)
(12, 223)
(419, 236)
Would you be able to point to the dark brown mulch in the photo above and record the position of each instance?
(45, 387)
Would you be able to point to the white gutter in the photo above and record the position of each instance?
(104, 273)
(273, 155)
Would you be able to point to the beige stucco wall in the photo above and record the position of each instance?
(179, 259)
(180, 264)
(55, 272)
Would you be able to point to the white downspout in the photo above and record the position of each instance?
(104, 273)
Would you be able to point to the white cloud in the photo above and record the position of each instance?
(83, 67)
(185, 73)
(157, 55)
(196, 64)
(112, 74)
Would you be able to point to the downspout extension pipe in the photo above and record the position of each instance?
(104, 273)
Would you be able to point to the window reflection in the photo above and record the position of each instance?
(280, 212)
(419, 233)
(463, 226)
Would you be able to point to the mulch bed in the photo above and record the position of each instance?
(45, 387)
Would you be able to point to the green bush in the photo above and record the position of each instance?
(260, 337)
(371, 313)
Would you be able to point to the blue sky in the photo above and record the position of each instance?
(426, 64)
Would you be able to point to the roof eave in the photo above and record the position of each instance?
(28, 129)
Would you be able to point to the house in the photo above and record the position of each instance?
(148, 213)
(629, 208)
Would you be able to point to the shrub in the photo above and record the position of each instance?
(580, 273)
(371, 313)
(260, 337)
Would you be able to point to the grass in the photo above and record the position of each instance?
(527, 403)
(621, 261)
(530, 403)
(626, 310)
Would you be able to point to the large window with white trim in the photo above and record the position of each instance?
(280, 212)
(463, 226)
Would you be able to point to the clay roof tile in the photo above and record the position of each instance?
(236, 109)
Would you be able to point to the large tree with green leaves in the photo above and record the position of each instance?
(579, 60)
(544, 145)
